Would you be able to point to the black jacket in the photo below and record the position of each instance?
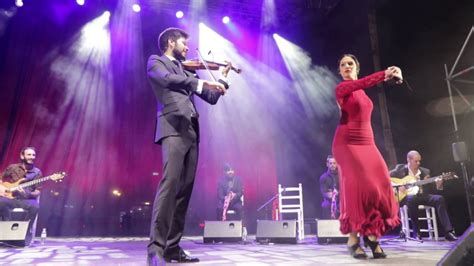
(175, 95)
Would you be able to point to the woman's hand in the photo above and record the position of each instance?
(394, 73)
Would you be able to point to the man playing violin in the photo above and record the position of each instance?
(177, 131)
(421, 195)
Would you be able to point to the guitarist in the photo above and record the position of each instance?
(23, 198)
(229, 189)
(420, 196)
(329, 186)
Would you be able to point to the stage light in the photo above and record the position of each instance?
(106, 14)
(269, 17)
(116, 193)
(225, 20)
(19, 3)
(136, 8)
(314, 84)
(179, 14)
(80, 2)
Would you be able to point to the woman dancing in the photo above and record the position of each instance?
(368, 205)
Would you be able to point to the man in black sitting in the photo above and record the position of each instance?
(329, 186)
(422, 195)
(22, 198)
(229, 189)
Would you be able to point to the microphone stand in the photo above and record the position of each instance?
(270, 201)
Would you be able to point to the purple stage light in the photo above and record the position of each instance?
(19, 3)
(179, 14)
(80, 2)
(136, 8)
(225, 20)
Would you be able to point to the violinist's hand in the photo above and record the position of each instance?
(227, 68)
(211, 85)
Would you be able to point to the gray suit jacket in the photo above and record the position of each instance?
(174, 92)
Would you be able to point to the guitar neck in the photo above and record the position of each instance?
(31, 183)
(427, 181)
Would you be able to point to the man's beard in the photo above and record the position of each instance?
(28, 162)
(178, 55)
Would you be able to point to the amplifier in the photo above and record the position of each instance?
(327, 232)
(222, 231)
(14, 232)
(276, 231)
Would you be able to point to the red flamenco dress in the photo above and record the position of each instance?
(367, 201)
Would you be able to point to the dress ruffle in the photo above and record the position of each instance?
(375, 224)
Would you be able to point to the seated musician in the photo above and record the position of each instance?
(229, 192)
(22, 198)
(420, 195)
(329, 186)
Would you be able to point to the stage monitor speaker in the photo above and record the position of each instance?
(463, 252)
(269, 231)
(222, 231)
(14, 233)
(327, 232)
(460, 153)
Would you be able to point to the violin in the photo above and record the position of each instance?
(195, 64)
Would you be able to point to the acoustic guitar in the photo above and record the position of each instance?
(412, 184)
(15, 186)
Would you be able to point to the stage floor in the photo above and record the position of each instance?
(132, 251)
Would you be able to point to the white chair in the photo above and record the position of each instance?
(290, 200)
(430, 218)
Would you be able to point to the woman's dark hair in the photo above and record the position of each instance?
(170, 33)
(351, 56)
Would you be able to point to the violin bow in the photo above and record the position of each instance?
(205, 64)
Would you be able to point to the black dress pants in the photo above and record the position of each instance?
(180, 156)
